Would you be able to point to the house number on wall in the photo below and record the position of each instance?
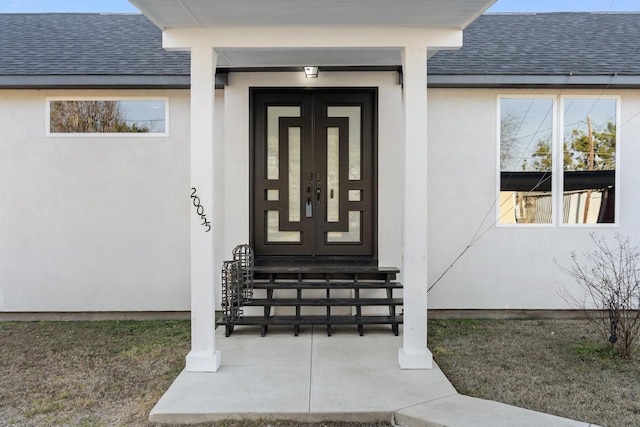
(200, 209)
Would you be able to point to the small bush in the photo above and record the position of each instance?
(610, 279)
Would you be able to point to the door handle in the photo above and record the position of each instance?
(309, 205)
(318, 192)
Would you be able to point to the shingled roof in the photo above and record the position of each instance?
(125, 50)
(543, 49)
(87, 50)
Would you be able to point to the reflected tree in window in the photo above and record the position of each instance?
(589, 160)
(592, 151)
(526, 160)
(508, 140)
(542, 156)
(107, 116)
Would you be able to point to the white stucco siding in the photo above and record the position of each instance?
(92, 223)
(509, 267)
(102, 224)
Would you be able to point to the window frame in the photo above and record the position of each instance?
(557, 165)
(47, 119)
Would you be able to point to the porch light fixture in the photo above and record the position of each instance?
(311, 72)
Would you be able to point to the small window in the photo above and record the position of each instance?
(107, 116)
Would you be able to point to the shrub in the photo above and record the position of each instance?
(610, 279)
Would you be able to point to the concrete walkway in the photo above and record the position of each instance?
(313, 378)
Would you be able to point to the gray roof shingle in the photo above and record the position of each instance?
(497, 47)
(545, 44)
(94, 44)
(112, 46)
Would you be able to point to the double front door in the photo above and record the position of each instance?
(314, 165)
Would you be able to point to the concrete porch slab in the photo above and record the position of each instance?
(313, 378)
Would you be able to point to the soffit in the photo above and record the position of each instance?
(397, 13)
(247, 58)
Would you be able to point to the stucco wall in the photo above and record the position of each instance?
(102, 224)
(92, 224)
(508, 267)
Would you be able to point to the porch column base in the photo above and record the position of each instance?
(415, 360)
(202, 362)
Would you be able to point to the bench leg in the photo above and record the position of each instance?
(361, 330)
(394, 328)
(228, 329)
(264, 330)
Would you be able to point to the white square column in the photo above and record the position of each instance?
(414, 353)
(203, 356)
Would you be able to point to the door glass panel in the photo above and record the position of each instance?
(353, 235)
(294, 174)
(353, 113)
(273, 195)
(333, 174)
(355, 195)
(273, 136)
(274, 234)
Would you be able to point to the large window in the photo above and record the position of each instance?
(143, 116)
(589, 178)
(526, 144)
(557, 165)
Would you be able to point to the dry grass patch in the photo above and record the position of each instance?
(554, 366)
(112, 373)
(87, 373)
(94, 374)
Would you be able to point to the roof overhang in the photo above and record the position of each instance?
(238, 28)
(278, 13)
(533, 81)
(73, 81)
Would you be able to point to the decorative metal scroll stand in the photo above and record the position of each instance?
(237, 285)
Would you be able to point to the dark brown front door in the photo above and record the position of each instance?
(314, 183)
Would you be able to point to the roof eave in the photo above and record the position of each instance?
(532, 81)
(433, 81)
(68, 81)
